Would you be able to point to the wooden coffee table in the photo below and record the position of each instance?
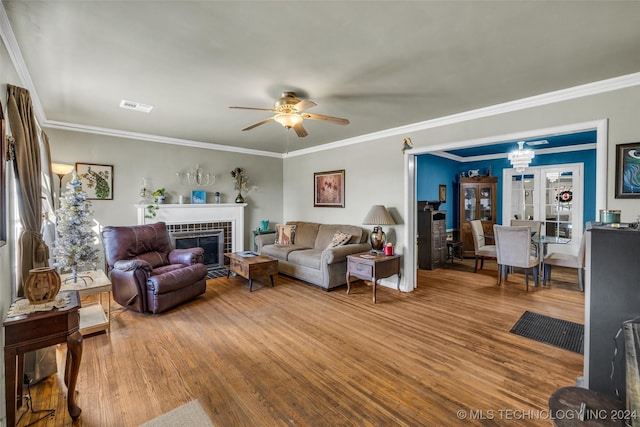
(250, 265)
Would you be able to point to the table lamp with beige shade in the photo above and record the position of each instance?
(378, 216)
(61, 169)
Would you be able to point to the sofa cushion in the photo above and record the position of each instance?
(281, 252)
(339, 239)
(306, 233)
(285, 234)
(306, 257)
(327, 231)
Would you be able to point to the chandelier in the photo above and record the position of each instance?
(521, 158)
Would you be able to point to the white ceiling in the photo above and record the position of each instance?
(381, 64)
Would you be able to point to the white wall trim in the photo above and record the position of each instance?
(588, 89)
(11, 44)
(52, 124)
(565, 149)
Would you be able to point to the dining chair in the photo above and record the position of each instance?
(513, 247)
(566, 260)
(536, 226)
(536, 229)
(482, 250)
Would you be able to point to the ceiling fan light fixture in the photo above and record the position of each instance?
(288, 120)
(521, 158)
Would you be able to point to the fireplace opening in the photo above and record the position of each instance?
(212, 241)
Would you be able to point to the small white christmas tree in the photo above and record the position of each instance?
(74, 238)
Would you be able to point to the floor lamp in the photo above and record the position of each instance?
(61, 170)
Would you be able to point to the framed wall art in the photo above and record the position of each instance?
(198, 197)
(328, 189)
(628, 171)
(442, 193)
(97, 180)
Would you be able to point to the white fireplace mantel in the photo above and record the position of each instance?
(194, 214)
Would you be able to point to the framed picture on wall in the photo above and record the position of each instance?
(442, 193)
(97, 180)
(328, 189)
(628, 171)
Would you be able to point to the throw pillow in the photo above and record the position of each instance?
(285, 234)
(339, 239)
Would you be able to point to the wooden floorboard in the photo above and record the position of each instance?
(297, 355)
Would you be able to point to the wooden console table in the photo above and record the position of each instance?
(42, 329)
(368, 266)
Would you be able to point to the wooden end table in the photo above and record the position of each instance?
(250, 265)
(93, 317)
(42, 329)
(373, 267)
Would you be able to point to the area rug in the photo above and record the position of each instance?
(549, 330)
(189, 414)
(215, 272)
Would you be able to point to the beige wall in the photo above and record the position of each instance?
(134, 160)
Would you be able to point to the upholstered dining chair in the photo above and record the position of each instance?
(482, 250)
(536, 228)
(513, 246)
(566, 260)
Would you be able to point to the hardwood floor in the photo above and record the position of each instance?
(297, 355)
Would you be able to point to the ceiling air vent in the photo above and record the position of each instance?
(132, 105)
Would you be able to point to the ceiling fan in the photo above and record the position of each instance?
(289, 113)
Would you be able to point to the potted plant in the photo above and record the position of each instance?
(158, 197)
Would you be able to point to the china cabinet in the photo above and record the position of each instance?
(477, 201)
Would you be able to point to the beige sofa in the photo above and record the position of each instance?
(309, 259)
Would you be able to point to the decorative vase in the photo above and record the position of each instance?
(239, 198)
(42, 285)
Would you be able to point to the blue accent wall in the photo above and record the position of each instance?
(434, 170)
(431, 171)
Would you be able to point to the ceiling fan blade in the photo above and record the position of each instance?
(336, 120)
(304, 105)
(300, 130)
(255, 108)
(258, 124)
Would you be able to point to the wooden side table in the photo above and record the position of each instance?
(373, 267)
(93, 317)
(42, 329)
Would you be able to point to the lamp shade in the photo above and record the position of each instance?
(288, 120)
(378, 215)
(61, 168)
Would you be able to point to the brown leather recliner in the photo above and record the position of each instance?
(146, 273)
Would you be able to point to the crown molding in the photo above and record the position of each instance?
(539, 152)
(74, 127)
(11, 44)
(615, 83)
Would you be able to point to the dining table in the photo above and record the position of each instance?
(541, 242)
